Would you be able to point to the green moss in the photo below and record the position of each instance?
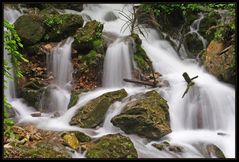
(97, 43)
(112, 146)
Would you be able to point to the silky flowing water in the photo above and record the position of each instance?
(208, 107)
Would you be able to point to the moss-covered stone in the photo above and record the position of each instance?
(43, 149)
(140, 56)
(147, 116)
(92, 114)
(61, 26)
(30, 29)
(73, 100)
(85, 36)
(71, 140)
(112, 146)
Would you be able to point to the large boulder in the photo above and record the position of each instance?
(61, 26)
(112, 146)
(147, 116)
(88, 37)
(220, 65)
(30, 29)
(93, 113)
(44, 26)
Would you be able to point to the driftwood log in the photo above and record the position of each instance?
(189, 81)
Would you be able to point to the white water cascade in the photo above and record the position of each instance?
(117, 64)
(59, 63)
(208, 107)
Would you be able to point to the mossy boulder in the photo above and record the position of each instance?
(140, 56)
(42, 149)
(93, 113)
(32, 93)
(112, 146)
(148, 117)
(30, 29)
(73, 100)
(47, 26)
(86, 37)
(61, 26)
(220, 65)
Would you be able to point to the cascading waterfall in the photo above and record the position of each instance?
(208, 107)
(194, 28)
(59, 63)
(117, 64)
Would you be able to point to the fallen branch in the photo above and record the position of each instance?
(225, 50)
(140, 82)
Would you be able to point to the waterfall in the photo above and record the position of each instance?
(207, 108)
(59, 63)
(117, 64)
(194, 28)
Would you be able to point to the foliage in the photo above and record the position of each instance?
(53, 20)
(12, 43)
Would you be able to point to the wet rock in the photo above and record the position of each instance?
(36, 114)
(209, 150)
(168, 147)
(92, 114)
(112, 146)
(30, 29)
(147, 116)
(110, 16)
(82, 137)
(71, 140)
(213, 150)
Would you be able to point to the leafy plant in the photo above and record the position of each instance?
(12, 43)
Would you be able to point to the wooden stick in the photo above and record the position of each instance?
(140, 82)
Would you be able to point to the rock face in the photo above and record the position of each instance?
(222, 66)
(148, 116)
(30, 29)
(112, 146)
(93, 113)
